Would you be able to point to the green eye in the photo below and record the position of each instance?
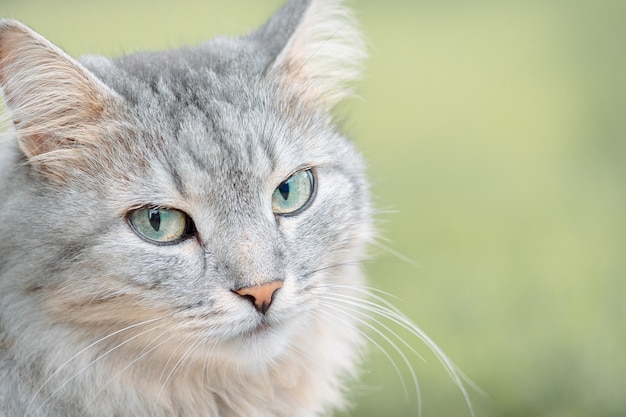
(161, 225)
(294, 194)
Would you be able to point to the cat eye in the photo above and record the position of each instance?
(294, 194)
(161, 225)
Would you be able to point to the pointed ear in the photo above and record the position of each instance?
(322, 53)
(56, 105)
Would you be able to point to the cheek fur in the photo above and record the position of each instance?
(333, 231)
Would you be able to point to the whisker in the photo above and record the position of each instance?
(367, 309)
(144, 352)
(179, 363)
(337, 265)
(390, 312)
(397, 254)
(378, 346)
(369, 292)
(216, 344)
(110, 335)
(393, 345)
(80, 371)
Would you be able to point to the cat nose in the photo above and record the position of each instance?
(261, 296)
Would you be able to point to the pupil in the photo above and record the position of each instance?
(155, 219)
(284, 190)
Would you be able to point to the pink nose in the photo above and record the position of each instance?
(261, 296)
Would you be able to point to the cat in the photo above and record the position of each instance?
(182, 231)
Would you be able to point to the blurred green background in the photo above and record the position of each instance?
(496, 138)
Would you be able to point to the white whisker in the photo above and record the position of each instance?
(144, 352)
(390, 312)
(393, 345)
(337, 265)
(393, 363)
(177, 365)
(364, 310)
(76, 355)
(83, 369)
(397, 254)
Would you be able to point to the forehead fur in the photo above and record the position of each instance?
(299, 61)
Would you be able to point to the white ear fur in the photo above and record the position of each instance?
(54, 102)
(324, 54)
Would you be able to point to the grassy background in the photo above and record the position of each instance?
(496, 137)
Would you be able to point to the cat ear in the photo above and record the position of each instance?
(56, 105)
(322, 49)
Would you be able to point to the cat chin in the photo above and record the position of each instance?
(261, 345)
(248, 355)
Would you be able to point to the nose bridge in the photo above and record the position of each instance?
(254, 256)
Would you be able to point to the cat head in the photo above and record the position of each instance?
(189, 188)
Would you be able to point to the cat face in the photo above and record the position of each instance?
(221, 167)
(163, 188)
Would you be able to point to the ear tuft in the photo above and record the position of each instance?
(324, 53)
(55, 103)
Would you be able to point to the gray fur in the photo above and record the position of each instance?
(95, 321)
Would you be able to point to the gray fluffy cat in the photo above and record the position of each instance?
(181, 232)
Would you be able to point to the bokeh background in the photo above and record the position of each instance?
(496, 138)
